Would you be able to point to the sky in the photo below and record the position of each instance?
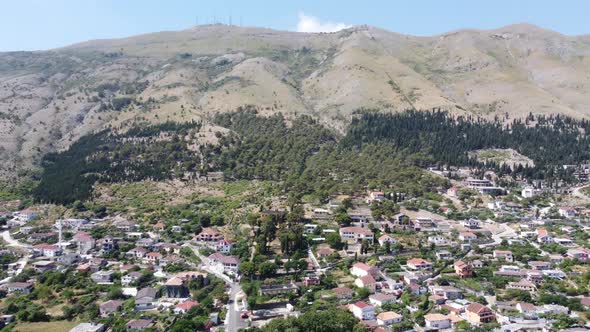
(46, 24)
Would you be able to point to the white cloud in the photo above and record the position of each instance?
(313, 24)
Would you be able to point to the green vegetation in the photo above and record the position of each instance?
(332, 320)
(549, 141)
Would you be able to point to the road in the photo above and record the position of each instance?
(21, 262)
(577, 192)
(506, 232)
(237, 297)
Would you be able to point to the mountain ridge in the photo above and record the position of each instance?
(49, 99)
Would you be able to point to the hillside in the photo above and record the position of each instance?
(49, 99)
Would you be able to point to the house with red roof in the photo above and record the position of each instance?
(185, 306)
(362, 310)
(47, 250)
(419, 264)
(361, 269)
(355, 234)
(367, 282)
(208, 235)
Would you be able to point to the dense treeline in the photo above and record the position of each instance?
(154, 152)
(385, 151)
(267, 147)
(548, 141)
(309, 159)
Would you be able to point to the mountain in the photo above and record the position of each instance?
(49, 99)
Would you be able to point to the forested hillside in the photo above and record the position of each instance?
(387, 151)
(550, 141)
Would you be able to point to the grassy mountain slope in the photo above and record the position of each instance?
(50, 99)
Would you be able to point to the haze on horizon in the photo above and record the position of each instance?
(39, 25)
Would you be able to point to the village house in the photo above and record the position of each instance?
(25, 215)
(226, 263)
(467, 236)
(419, 264)
(437, 321)
(47, 250)
(477, 313)
(139, 324)
(463, 269)
(43, 266)
(137, 252)
(423, 222)
(224, 246)
(185, 306)
(505, 255)
(443, 254)
(543, 236)
(386, 238)
(17, 287)
(579, 254)
(355, 234)
(471, 223)
(131, 277)
(522, 284)
(380, 299)
(208, 235)
(324, 252)
(448, 292)
(110, 307)
(362, 310)
(175, 288)
(367, 282)
(152, 258)
(84, 242)
(528, 310)
(389, 318)
(102, 277)
(361, 269)
(539, 265)
(556, 259)
(567, 212)
(342, 293)
(437, 240)
(146, 298)
(125, 226)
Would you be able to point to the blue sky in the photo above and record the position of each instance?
(44, 24)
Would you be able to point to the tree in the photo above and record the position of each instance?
(343, 219)
(248, 269)
(334, 241)
(267, 269)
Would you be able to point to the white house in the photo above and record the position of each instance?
(362, 310)
(471, 223)
(224, 246)
(504, 254)
(360, 269)
(355, 233)
(389, 318)
(25, 215)
(567, 212)
(437, 321)
(419, 264)
(543, 236)
(47, 250)
(467, 236)
(385, 238)
(437, 240)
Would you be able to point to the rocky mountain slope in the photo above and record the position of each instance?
(51, 98)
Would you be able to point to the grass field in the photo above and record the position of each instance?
(57, 326)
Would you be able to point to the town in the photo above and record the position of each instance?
(472, 256)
